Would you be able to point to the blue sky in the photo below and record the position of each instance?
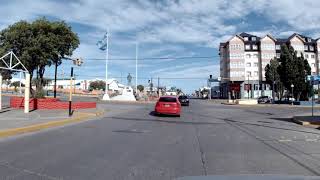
(164, 28)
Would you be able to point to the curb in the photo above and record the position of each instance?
(299, 120)
(81, 116)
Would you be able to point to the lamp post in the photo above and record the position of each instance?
(292, 86)
(104, 45)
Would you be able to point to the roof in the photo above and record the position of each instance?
(296, 35)
(109, 81)
(306, 37)
(270, 36)
(243, 34)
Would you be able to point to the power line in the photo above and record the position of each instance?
(173, 78)
(154, 58)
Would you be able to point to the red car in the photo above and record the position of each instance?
(168, 105)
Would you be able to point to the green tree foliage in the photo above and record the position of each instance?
(16, 84)
(273, 77)
(140, 88)
(97, 85)
(39, 44)
(294, 70)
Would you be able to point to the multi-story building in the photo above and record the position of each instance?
(243, 59)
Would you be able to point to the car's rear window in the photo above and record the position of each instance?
(167, 99)
(183, 97)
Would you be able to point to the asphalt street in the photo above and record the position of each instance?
(131, 143)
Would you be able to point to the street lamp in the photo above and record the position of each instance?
(104, 45)
(292, 86)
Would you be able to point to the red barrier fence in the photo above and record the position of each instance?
(49, 103)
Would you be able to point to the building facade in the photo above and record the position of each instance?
(243, 59)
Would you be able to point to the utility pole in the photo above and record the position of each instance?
(158, 87)
(248, 87)
(104, 45)
(137, 51)
(55, 79)
(70, 92)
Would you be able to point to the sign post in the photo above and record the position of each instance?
(70, 92)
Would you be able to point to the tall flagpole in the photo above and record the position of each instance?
(137, 67)
(106, 95)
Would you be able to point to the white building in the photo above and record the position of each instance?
(243, 59)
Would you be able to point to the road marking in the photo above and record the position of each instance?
(285, 140)
(311, 140)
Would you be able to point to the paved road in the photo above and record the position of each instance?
(131, 143)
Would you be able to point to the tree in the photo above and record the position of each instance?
(294, 70)
(273, 77)
(140, 88)
(16, 84)
(39, 44)
(99, 84)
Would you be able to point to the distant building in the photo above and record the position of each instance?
(243, 59)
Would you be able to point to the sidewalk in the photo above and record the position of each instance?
(15, 121)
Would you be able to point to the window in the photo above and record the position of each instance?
(308, 39)
(248, 73)
(245, 38)
(278, 47)
(256, 73)
(253, 38)
(278, 55)
(312, 56)
(306, 55)
(247, 47)
(256, 86)
(254, 47)
(313, 65)
(248, 64)
(255, 64)
(248, 56)
(306, 47)
(311, 48)
(167, 99)
(255, 56)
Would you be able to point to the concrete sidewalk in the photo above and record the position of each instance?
(15, 121)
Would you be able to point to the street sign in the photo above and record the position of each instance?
(314, 80)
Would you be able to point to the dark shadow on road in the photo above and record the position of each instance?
(153, 113)
(167, 121)
(283, 119)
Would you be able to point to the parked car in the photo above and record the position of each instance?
(168, 105)
(184, 100)
(264, 99)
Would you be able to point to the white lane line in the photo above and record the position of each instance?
(311, 140)
(285, 140)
